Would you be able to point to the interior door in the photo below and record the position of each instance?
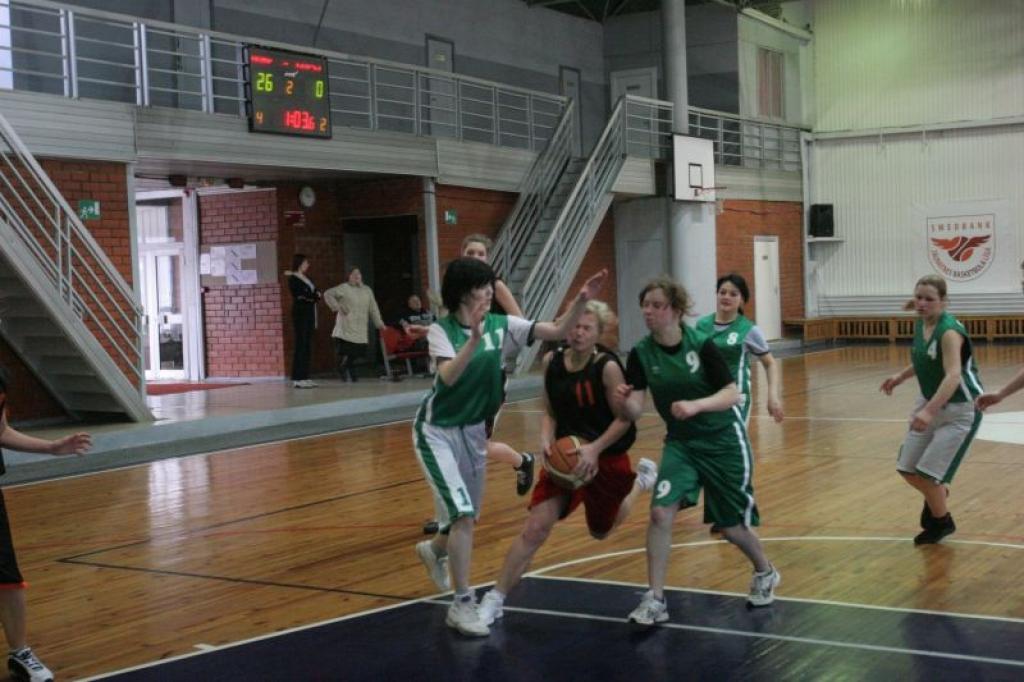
(160, 271)
(766, 286)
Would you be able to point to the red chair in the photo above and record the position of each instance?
(397, 345)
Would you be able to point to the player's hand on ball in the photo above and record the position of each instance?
(586, 467)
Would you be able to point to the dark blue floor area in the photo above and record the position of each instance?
(580, 641)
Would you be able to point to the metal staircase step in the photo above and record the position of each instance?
(91, 401)
(61, 365)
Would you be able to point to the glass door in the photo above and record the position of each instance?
(160, 271)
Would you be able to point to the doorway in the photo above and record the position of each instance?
(169, 285)
(640, 82)
(766, 286)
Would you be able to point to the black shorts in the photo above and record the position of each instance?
(10, 575)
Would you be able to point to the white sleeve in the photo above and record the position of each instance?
(518, 336)
(438, 343)
(755, 341)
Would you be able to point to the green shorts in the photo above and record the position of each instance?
(722, 465)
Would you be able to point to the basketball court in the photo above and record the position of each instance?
(294, 560)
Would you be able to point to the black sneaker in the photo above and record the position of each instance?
(715, 529)
(25, 667)
(926, 513)
(431, 528)
(936, 530)
(524, 474)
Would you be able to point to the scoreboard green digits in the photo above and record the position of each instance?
(287, 93)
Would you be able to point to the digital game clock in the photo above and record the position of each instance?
(287, 93)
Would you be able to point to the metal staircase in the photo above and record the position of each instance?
(563, 201)
(64, 308)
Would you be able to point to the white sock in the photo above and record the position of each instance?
(498, 594)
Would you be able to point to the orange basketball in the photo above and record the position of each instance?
(562, 457)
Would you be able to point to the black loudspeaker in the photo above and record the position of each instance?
(821, 224)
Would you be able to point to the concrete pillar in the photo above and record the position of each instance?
(691, 225)
(430, 235)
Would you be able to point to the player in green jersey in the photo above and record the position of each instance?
(469, 346)
(944, 419)
(706, 445)
(737, 338)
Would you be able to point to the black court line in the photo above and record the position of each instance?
(556, 629)
(222, 524)
(245, 581)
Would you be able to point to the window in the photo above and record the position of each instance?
(769, 84)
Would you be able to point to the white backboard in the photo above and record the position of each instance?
(694, 166)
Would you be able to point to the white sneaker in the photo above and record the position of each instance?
(298, 384)
(762, 588)
(437, 567)
(490, 608)
(25, 667)
(646, 473)
(464, 617)
(650, 611)
(309, 383)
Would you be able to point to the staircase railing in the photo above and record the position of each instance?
(78, 270)
(636, 124)
(539, 184)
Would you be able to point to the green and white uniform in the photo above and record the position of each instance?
(710, 450)
(449, 432)
(938, 450)
(737, 341)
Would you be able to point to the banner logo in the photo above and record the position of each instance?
(960, 248)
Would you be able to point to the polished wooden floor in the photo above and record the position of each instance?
(147, 562)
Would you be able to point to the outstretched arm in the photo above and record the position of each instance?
(987, 400)
(556, 331)
(74, 444)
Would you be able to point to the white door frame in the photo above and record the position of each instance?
(767, 294)
(193, 338)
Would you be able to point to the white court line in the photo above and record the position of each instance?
(781, 638)
(540, 572)
(207, 648)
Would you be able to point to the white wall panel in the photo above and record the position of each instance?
(874, 185)
(885, 63)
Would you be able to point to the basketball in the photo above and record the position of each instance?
(562, 457)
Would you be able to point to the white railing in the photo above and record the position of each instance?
(636, 126)
(55, 49)
(79, 271)
(747, 143)
(535, 194)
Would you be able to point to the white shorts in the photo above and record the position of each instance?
(937, 451)
(454, 461)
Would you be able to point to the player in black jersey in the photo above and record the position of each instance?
(21, 661)
(578, 383)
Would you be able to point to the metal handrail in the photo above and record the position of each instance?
(578, 220)
(80, 272)
(535, 194)
(180, 67)
(747, 142)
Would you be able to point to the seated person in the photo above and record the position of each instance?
(414, 314)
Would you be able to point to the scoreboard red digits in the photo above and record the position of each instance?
(288, 93)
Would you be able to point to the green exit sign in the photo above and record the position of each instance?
(451, 217)
(89, 209)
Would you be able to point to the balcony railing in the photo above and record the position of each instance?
(50, 48)
(747, 143)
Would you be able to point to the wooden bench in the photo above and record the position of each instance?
(892, 327)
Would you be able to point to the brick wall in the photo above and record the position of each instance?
(736, 229)
(242, 324)
(106, 182)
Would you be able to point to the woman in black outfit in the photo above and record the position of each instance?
(304, 298)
